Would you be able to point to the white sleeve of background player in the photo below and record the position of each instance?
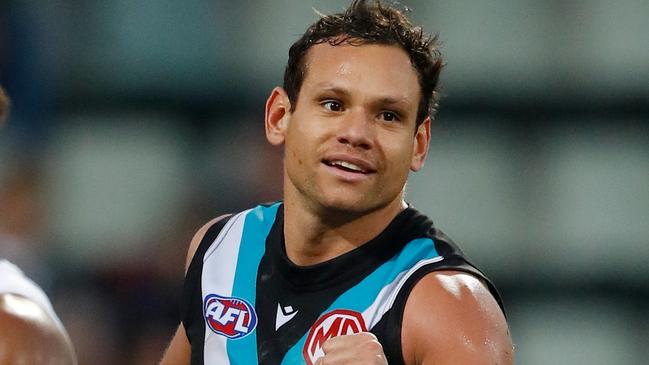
(14, 281)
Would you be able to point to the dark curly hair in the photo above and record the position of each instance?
(371, 23)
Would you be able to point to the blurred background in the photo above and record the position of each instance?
(135, 122)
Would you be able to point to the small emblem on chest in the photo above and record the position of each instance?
(229, 316)
(339, 322)
(284, 314)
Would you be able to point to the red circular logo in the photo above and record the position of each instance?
(339, 322)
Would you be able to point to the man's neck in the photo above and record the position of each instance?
(313, 237)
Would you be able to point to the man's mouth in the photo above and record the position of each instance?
(347, 166)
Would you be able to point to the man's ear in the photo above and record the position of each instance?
(420, 147)
(278, 113)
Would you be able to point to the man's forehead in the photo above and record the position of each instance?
(340, 69)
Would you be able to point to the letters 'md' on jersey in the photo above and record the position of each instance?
(245, 302)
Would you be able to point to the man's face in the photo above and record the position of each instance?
(350, 141)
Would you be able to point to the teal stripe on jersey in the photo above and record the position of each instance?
(361, 296)
(253, 245)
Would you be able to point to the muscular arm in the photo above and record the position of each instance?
(451, 318)
(28, 335)
(179, 350)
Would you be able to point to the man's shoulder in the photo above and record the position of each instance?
(263, 212)
(209, 231)
(453, 315)
(452, 257)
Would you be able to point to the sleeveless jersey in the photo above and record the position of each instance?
(244, 302)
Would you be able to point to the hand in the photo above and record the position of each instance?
(360, 348)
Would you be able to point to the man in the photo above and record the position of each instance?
(343, 271)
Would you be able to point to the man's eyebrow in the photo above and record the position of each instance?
(400, 105)
(326, 86)
(385, 100)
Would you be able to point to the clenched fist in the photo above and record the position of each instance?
(360, 348)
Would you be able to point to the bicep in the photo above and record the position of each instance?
(450, 318)
(178, 352)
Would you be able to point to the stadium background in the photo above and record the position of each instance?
(134, 122)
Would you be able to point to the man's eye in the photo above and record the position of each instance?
(333, 106)
(389, 116)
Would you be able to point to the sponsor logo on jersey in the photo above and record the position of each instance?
(339, 322)
(229, 316)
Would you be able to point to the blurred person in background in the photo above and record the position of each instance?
(120, 296)
(343, 270)
(20, 212)
(30, 330)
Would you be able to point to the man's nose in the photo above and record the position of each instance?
(356, 130)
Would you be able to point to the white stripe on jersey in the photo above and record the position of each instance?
(217, 278)
(386, 297)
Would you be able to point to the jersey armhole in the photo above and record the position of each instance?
(395, 320)
(191, 298)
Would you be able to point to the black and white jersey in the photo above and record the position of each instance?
(245, 302)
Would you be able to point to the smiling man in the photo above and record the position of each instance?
(343, 270)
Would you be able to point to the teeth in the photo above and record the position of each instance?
(347, 165)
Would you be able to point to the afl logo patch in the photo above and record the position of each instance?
(229, 316)
(339, 322)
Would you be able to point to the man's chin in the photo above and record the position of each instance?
(346, 208)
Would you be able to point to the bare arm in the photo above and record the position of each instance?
(179, 350)
(451, 318)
